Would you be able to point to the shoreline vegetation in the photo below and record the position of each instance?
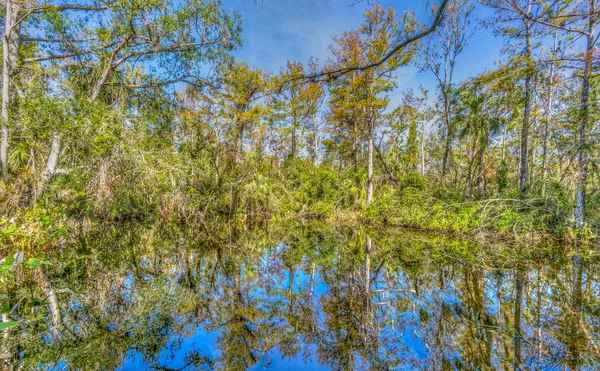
(412, 206)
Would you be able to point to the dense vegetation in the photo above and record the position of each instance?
(135, 109)
(152, 186)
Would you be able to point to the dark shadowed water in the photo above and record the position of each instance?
(307, 298)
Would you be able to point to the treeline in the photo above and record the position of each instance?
(136, 109)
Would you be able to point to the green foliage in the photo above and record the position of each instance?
(243, 144)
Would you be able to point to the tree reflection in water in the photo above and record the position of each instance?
(137, 297)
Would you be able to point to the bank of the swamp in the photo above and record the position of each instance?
(299, 195)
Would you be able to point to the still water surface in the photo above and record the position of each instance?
(146, 298)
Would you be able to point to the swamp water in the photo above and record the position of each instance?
(309, 298)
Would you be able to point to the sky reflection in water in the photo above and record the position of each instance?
(192, 301)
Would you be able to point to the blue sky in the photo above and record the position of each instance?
(279, 30)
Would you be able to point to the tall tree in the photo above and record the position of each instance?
(516, 20)
(106, 43)
(440, 56)
(18, 15)
(414, 113)
(11, 44)
(578, 19)
(591, 19)
(479, 119)
(365, 90)
(548, 109)
(296, 104)
(240, 89)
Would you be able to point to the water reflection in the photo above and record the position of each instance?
(137, 297)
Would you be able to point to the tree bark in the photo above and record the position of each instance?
(11, 44)
(51, 165)
(370, 160)
(52, 157)
(111, 64)
(371, 116)
(548, 115)
(97, 88)
(53, 303)
(584, 121)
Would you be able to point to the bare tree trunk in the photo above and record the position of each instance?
(370, 160)
(52, 158)
(583, 126)
(449, 135)
(524, 168)
(548, 115)
(95, 92)
(111, 64)
(471, 170)
(294, 137)
(11, 44)
(93, 95)
(51, 165)
(53, 303)
(371, 116)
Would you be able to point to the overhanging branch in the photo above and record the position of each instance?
(331, 75)
(60, 8)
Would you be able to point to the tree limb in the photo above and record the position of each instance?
(331, 75)
(70, 55)
(44, 40)
(60, 8)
